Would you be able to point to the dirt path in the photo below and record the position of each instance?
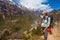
(53, 36)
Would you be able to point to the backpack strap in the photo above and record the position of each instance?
(45, 18)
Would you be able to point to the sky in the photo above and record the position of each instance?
(55, 4)
(47, 5)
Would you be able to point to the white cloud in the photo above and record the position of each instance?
(35, 4)
(10, 0)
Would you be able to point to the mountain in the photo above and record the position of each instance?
(9, 9)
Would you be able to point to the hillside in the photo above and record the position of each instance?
(8, 10)
(16, 19)
(56, 14)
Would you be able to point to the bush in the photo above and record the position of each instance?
(27, 35)
(37, 31)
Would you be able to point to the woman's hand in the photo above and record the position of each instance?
(45, 29)
(40, 22)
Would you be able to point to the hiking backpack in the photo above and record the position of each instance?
(51, 21)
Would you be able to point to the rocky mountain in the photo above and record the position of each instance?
(9, 9)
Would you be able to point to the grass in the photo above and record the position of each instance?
(19, 25)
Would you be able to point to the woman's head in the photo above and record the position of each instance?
(44, 13)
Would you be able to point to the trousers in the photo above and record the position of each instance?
(45, 33)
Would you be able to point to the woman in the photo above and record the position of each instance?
(45, 23)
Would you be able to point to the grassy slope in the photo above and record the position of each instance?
(18, 24)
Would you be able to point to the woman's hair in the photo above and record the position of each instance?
(44, 12)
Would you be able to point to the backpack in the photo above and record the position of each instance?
(51, 21)
(51, 18)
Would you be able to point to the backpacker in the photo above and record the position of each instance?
(51, 20)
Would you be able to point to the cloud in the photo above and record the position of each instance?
(36, 4)
(10, 0)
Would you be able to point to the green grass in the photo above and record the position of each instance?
(20, 25)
